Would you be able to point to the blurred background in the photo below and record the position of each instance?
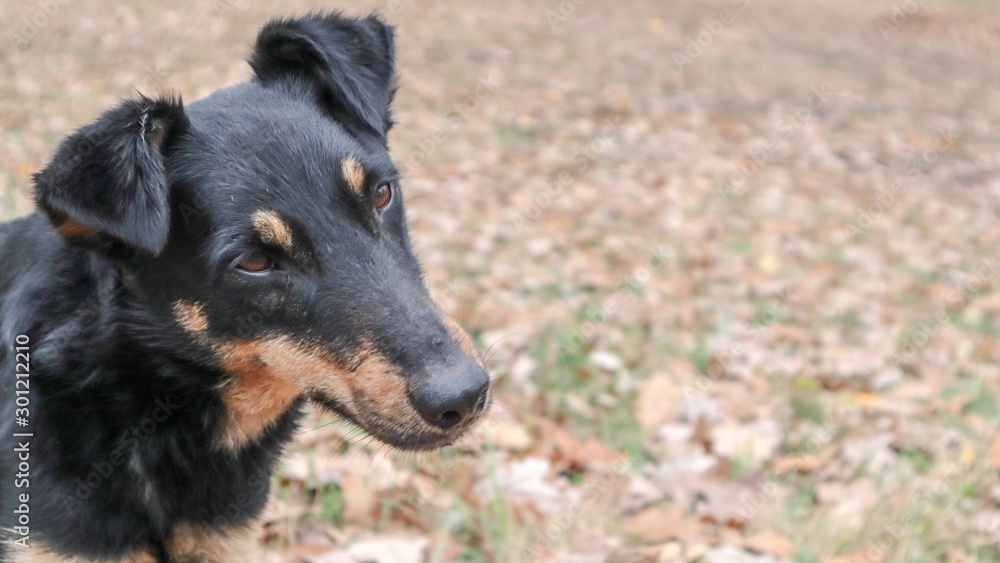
(735, 264)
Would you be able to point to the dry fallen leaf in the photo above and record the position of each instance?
(658, 524)
(509, 434)
(803, 463)
(849, 501)
(867, 400)
(696, 551)
(670, 552)
(359, 500)
(702, 434)
(770, 542)
(994, 451)
(389, 550)
(753, 443)
(769, 263)
(566, 451)
(656, 401)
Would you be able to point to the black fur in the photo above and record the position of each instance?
(109, 175)
(153, 204)
(350, 66)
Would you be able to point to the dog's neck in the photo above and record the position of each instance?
(135, 431)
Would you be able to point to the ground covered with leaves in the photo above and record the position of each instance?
(734, 263)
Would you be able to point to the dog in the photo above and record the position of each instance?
(191, 277)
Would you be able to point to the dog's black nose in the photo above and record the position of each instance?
(450, 397)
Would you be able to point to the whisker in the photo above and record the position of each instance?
(470, 311)
(373, 458)
(495, 342)
(320, 426)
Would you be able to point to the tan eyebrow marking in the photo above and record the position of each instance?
(272, 229)
(190, 316)
(354, 174)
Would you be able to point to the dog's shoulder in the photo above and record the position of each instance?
(32, 257)
(26, 241)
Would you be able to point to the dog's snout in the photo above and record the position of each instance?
(451, 397)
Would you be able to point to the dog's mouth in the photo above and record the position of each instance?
(402, 430)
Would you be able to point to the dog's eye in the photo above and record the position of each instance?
(382, 196)
(255, 264)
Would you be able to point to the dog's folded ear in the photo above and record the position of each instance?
(350, 61)
(106, 184)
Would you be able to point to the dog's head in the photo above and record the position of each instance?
(267, 222)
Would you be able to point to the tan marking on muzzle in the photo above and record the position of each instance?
(272, 229)
(464, 340)
(354, 174)
(204, 545)
(269, 375)
(379, 382)
(258, 394)
(191, 316)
